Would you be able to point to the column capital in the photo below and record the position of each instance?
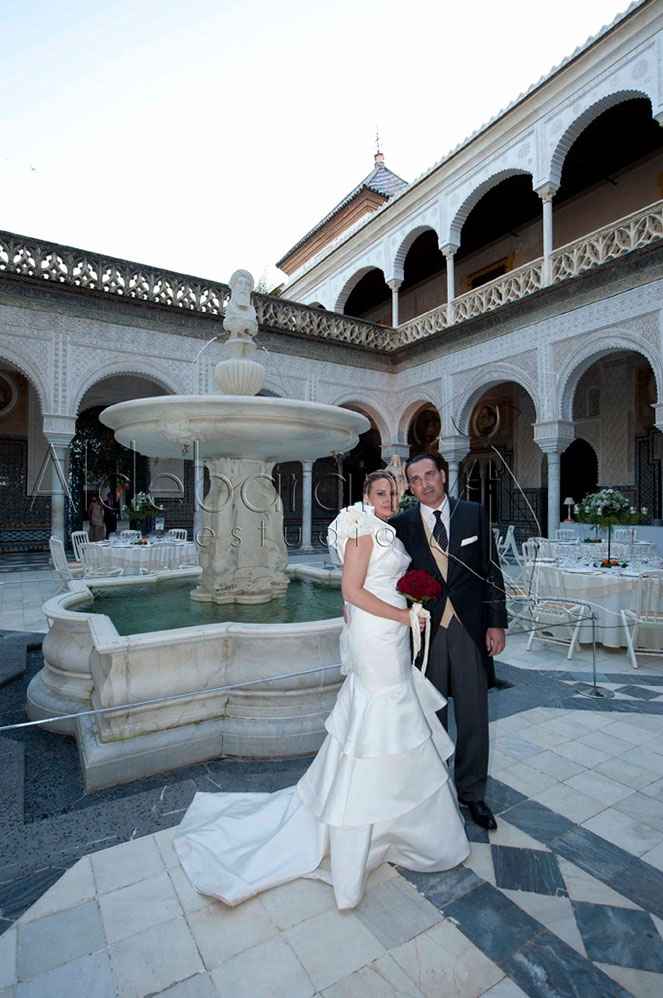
(59, 426)
(448, 249)
(394, 283)
(59, 440)
(555, 435)
(307, 467)
(547, 191)
(395, 450)
(453, 448)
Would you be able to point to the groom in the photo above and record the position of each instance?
(451, 540)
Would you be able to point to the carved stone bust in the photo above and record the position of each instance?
(240, 318)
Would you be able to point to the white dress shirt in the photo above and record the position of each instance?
(428, 516)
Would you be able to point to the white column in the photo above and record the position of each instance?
(307, 505)
(553, 438)
(449, 249)
(453, 450)
(547, 193)
(198, 498)
(57, 486)
(394, 284)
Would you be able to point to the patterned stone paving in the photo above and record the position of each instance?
(565, 899)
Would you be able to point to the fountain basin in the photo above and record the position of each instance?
(234, 426)
(88, 663)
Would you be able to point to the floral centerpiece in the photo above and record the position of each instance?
(143, 509)
(607, 508)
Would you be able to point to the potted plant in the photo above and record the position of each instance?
(607, 508)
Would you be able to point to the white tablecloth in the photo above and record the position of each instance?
(131, 558)
(607, 591)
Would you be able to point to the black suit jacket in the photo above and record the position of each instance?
(474, 579)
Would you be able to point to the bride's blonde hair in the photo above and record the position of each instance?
(377, 476)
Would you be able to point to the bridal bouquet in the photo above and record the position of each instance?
(419, 586)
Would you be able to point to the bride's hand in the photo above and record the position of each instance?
(405, 619)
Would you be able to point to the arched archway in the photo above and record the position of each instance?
(100, 465)
(579, 471)
(424, 275)
(601, 180)
(424, 430)
(366, 296)
(25, 504)
(502, 470)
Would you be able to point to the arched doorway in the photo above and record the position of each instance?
(579, 471)
(503, 469)
(370, 298)
(424, 430)
(100, 465)
(25, 506)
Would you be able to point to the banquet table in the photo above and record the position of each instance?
(135, 559)
(606, 590)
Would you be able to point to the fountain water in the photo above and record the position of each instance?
(87, 662)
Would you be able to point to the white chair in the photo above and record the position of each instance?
(556, 620)
(624, 535)
(129, 536)
(649, 615)
(566, 535)
(517, 599)
(511, 546)
(64, 571)
(78, 539)
(177, 533)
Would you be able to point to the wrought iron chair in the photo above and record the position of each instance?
(556, 620)
(649, 616)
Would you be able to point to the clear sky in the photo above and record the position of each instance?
(210, 135)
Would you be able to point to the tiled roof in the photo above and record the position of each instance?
(381, 180)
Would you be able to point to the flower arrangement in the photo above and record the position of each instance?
(419, 586)
(607, 508)
(142, 507)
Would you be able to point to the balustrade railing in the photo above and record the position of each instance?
(305, 320)
(513, 286)
(609, 242)
(35, 258)
(50, 262)
(420, 327)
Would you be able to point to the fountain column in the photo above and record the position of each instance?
(307, 505)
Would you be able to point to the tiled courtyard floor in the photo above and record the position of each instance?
(565, 899)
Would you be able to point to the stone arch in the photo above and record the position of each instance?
(473, 198)
(27, 368)
(352, 283)
(397, 267)
(487, 378)
(369, 409)
(597, 347)
(580, 123)
(117, 369)
(410, 411)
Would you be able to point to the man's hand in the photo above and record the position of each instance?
(495, 640)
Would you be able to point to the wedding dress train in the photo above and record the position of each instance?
(378, 790)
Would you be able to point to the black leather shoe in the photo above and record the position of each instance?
(480, 813)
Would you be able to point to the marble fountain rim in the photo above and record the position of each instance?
(106, 638)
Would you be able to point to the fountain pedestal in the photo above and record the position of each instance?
(242, 548)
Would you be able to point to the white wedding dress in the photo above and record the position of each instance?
(378, 789)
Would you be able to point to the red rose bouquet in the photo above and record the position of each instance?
(419, 586)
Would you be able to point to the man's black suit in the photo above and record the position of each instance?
(459, 664)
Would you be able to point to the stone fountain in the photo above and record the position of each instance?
(240, 436)
(284, 676)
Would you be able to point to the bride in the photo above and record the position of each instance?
(378, 790)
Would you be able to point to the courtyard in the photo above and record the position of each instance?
(566, 898)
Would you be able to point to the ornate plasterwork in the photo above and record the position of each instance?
(30, 361)
(636, 337)
(371, 406)
(469, 386)
(632, 77)
(99, 366)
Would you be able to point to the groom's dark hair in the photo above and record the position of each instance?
(435, 458)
